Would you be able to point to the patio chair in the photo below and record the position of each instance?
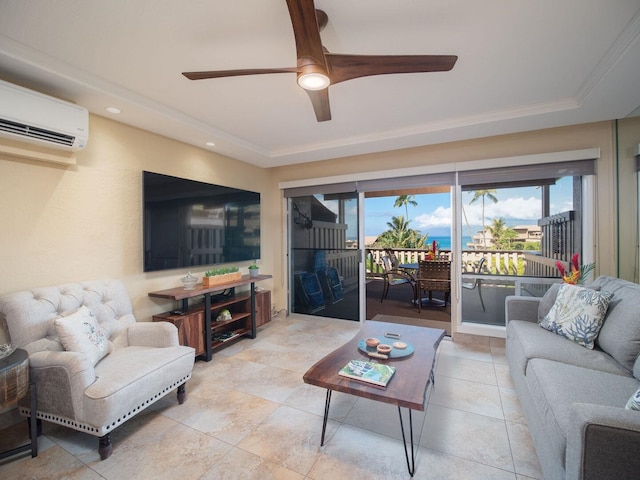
(476, 282)
(433, 276)
(394, 276)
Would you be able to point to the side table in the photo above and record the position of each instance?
(15, 384)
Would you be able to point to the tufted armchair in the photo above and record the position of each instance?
(93, 387)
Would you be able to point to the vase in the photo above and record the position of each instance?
(253, 273)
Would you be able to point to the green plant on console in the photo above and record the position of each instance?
(253, 266)
(220, 271)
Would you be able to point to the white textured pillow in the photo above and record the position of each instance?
(577, 314)
(80, 332)
(634, 401)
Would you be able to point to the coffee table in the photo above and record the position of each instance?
(408, 386)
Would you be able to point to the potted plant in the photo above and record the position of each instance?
(253, 270)
(221, 275)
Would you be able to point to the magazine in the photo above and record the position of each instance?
(376, 373)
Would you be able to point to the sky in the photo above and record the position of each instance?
(432, 215)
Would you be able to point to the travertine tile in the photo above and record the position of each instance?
(353, 454)
(475, 437)
(51, 464)
(467, 396)
(241, 465)
(310, 398)
(249, 415)
(461, 368)
(523, 451)
(289, 438)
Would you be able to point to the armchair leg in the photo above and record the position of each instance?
(182, 394)
(104, 446)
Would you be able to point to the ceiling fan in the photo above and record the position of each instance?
(318, 68)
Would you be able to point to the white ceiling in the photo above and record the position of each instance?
(523, 65)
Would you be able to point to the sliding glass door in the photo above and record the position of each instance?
(324, 255)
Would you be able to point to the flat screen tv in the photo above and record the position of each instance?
(187, 223)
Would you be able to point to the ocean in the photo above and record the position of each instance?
(444, 242)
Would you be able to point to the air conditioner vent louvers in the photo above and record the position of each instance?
(34, 132)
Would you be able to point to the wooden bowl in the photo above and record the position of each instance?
(384, 349)
(372, 342)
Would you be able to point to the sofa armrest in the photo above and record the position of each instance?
(521, 308)
(153, 334)
(61, 379)
(602, 443)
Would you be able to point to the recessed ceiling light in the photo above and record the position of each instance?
(113, 110)
(210, 144)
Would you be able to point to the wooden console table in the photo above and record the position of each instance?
(232, 327)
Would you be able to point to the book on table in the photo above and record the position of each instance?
(375, 373)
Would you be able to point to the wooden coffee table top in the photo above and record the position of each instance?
(408, 385)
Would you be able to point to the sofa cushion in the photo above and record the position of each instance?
(555, 387)
(577, 314)
(526, 340)
(620, 333)
(79, 332)
(133, 376)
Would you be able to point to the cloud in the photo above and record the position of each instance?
(441, 217)
(514, 208)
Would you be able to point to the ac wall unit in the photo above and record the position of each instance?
(32, 117)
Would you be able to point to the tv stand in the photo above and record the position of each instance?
(197, 325)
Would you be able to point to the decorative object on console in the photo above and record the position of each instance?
(220, 276)
(224, 315)
(189, 281)
(253, 270)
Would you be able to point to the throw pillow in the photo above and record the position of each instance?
(577, 314)
(634, 401)
(80, 332)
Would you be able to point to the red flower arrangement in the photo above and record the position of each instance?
(578, 272)
(431, 254)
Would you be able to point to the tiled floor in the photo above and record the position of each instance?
(248, 415)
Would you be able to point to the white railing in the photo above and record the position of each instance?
(497, 262)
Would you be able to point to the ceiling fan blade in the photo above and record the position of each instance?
(307, 34)
(320, 102)
(347, 67)
(236, 73)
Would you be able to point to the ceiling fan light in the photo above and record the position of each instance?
(313, 81)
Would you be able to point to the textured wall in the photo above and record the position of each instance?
(83, 222)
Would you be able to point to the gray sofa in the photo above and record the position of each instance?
(94, 366)
(574, 398)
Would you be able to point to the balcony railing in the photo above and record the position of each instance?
(497, 262)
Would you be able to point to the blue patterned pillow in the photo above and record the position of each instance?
(577, 314)
(634, 401)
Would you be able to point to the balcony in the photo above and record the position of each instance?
(504, 272)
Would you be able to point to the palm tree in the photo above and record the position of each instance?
(501, 234)
(400, 235)
(482, 194)
(405, 201)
